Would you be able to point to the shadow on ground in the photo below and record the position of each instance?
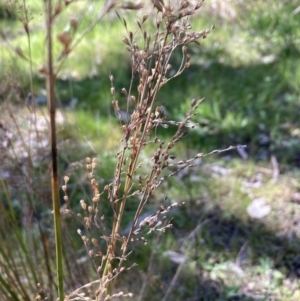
(225, 238)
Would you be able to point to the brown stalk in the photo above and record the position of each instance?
(50, 86)
(131, 168)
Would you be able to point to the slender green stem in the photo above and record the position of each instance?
(50, 83)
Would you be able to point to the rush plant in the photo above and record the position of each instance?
(141, 118)
(144, 159)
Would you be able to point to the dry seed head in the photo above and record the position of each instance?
(25, 24)
(87, 160)
(125, 24)
(140, 88)
(87, 222)
(184, 4)
(158, 5)
(64, 38)
(64, 188)
(90, 209)
(91, 253)
(126, 41)
(168, 12)
(57, 8)
(145, 17)
(66, 179)
(83, 205)
(198, 5)
(73, 23)
(187, 65)
(145, 73)
(96, 198)
(170, 145)
(19, 52)
(95, 242)
(124, 92)
(43, 70)
(133, 99)
(66, 199)
(200, 155)
(85, 239)
(169, 66)
(124, 128)
(111, 78)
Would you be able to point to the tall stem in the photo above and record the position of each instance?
(50, 84)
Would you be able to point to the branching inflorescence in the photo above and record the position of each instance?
(150, 70)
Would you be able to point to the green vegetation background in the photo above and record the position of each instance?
(248, 70)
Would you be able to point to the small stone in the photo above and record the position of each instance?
(258, 208)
